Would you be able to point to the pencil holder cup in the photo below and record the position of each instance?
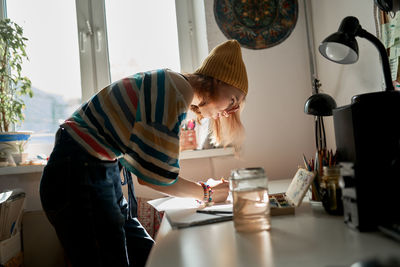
(330, 192)
(314, 195)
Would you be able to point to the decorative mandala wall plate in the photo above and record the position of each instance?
(256, 24)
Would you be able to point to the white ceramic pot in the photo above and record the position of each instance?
(13, 142)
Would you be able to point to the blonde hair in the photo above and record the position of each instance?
(224, 131)
(227, 131)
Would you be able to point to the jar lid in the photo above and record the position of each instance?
(247, 173)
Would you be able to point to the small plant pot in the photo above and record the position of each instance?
(13, 143)
(20, 158)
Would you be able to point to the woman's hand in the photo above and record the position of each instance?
(185, 188)
(220, 189)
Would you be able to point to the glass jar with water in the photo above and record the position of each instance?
(251, 209)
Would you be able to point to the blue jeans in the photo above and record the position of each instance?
(83, 200)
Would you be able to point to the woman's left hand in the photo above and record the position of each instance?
(220, 189)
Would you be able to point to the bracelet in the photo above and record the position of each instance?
(207, 197)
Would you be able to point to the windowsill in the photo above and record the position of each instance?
(21, 169)
(207, 153)
(187, 154)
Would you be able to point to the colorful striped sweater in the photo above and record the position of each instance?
(136, 120)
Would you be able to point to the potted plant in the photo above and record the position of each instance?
(13, 86)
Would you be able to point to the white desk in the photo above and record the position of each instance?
(309, 238)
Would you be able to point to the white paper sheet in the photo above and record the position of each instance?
(181, 212)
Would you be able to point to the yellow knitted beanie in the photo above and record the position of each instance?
(225, 63)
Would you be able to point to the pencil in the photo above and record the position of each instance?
(306, 163)
(215, 212)
(204, 222)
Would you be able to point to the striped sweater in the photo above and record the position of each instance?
(136, 120)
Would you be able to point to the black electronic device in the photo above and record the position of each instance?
(367, 136)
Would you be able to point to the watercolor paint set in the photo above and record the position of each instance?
(285, 203)
(279, 205)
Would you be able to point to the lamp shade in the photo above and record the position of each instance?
(341, 46)
(319, 105)
(340, 49)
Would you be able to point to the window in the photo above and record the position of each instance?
(78, 47)
(53, 68)
(141, 37)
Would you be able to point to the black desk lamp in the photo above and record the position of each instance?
(319, 105)
(341, 47)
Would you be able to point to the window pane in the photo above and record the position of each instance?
(53, 67)
(142, 35)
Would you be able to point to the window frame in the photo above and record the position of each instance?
(93, 46)
(95, 66)
(3, 9)
(93, 42)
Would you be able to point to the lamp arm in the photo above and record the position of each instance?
(384, 57)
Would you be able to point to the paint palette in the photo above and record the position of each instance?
(280, 205)
(285, 203)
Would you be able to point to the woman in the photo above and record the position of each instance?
(132, 126)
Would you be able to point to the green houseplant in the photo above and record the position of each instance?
(13, 86)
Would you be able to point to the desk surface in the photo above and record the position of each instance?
(309, 238)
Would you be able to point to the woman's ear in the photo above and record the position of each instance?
(215, 82)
